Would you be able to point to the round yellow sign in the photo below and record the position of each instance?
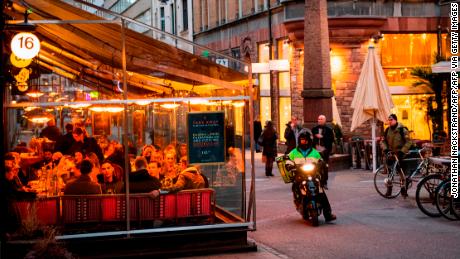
(19, 62)
(25, 45)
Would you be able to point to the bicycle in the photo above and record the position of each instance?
(426, 188)
(388, 176)
(422, 169)
(444, 200)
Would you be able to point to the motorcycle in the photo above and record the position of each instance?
(305, 176)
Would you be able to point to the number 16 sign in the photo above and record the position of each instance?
(25, 45)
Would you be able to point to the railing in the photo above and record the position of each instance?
(85, 210)
(295, 10)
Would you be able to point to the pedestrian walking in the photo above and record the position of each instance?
(268, 140)
(257, 132)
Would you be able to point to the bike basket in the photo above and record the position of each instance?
(285, 174)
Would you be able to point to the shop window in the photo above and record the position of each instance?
(264, 79)
(401, 52)
(411, 111)
(265, 109)
(285, 115)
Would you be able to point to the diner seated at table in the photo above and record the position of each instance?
(46, 160)
(181, 151)
(117, 156)
(170, 170)
(110, 184)
(96, 166)
(154, 169)
(83, 185)
(78, 156)
(13, 159)
(12, 187)
(140, 180)
(147, 152)
(188, 179)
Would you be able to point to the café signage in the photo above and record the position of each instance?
(206, 141)
(25, 45)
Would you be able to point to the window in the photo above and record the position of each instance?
(401, 52)
(184, 15)
(121, 5)
(173, 19)
(162, 19)
(145, 17)
(284, 82)
(264, 84)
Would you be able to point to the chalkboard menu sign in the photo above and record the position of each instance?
(205, 138)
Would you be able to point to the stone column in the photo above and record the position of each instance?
(317, 91)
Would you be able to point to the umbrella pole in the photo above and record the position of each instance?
(374, 146)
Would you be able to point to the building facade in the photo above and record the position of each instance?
(171, 16)
(407, 34)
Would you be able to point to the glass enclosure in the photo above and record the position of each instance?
(124, 101)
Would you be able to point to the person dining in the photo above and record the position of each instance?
(188, 179)
(140, 180)
(154, 169)
(12, 187)
(83, 184)
(110, 184)
(170, 170)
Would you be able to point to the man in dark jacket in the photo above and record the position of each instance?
(85, 145)
(83, 184)
(65, 141)
(397, 140)
(323, 138)
(291, 133)
(140, 180)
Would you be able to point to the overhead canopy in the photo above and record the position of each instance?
(91, 54)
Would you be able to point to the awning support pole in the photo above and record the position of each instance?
(125, 125)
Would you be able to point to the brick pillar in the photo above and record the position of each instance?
(317, 90)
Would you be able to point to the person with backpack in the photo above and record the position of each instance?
(396, 139)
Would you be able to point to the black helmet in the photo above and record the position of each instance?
(304, 133)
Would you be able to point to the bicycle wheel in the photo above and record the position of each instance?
(455, 204)
(443, 200)
(387, 185)
(425, 195)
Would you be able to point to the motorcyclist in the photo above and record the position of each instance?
(298, 155)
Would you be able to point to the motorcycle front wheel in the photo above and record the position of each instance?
(386, 184)
(310, 213)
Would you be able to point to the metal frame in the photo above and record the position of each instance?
(125, 102)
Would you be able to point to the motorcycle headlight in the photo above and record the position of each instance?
(308, 167)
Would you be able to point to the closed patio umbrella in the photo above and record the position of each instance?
(372, 99)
